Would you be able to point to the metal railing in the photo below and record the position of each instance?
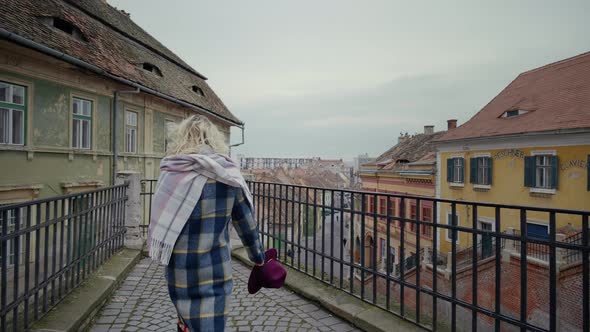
(148, 187)
(348, 236)
(49, 246)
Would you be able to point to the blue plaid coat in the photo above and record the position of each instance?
(199, 274)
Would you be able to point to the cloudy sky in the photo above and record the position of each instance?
(337, 78)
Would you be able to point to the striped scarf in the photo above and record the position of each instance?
(179, 187)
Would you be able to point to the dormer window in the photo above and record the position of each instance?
(198, 91)
(151, 68)
(64, 26)
(513, 113)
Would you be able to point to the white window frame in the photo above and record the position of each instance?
(453, 183)
(78, 120)
(542, 190)
(10, 243)
(478, 185)
(8, 135)
(131, 129)
(448, 231)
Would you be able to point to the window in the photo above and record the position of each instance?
(427, 216)
(198, 90)
(588, 173)
(81, 123)
(541, 171)
(151, 68)
(513, 113)
(14, 217)
(64, 26)
(391, 210)
(382, 206)
(537, 231)
(455, 170)
(452, 222)
(383, 248)
(480, 170)
(370, 204)
(130, 132)
(411, 225)
(12, 113)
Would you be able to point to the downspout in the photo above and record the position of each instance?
(238, 144)
(115, 111)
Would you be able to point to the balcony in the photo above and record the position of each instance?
(466, 276)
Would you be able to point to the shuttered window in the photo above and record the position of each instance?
(480, 170)
(541, 171)
(455, 170)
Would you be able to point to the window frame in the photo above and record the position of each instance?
(549, 188)
(135, 128)
(82, 118)
(11, 108)
(428, 218)
(167, 122)
(456, 179)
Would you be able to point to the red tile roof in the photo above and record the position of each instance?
(114, 43)
(557, 96)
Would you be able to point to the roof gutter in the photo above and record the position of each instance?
(80, 63)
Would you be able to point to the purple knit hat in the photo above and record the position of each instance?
(271, 275)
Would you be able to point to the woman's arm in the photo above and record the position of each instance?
(247, 229)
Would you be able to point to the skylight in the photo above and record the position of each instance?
(198, 91)
(152, 68)
(64, 26)
(513, 113)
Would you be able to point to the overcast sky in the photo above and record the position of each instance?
(337, 78)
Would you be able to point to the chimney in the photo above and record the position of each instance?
(428, 130)
(451, 124)
(402, 138)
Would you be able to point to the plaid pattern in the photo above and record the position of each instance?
(199, 274)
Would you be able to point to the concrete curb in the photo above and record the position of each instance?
(76, 311)
(341, 304)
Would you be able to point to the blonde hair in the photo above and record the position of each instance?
(194, 133)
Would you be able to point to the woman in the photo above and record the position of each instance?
(200, 189)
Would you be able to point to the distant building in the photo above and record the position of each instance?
(409, 167)
(249, 163)
(357, 162)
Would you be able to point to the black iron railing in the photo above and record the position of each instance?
(148, 187)
(49, 246)
(348, 240)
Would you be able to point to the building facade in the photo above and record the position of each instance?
(408, 168)
(529, 146)
(86, 93)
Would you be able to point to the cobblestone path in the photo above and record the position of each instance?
(142, 304)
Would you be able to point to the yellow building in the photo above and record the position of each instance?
(529, 146)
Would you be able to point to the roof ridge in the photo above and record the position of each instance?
(556, 63)
(127, 35)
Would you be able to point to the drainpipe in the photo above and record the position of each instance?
(115, 111)
(238, 144)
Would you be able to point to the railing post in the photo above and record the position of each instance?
(133, 209)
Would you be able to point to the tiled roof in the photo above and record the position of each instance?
(412, 148)
(114, 44)
(557, 96)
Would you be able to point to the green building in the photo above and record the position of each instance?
(86, 93)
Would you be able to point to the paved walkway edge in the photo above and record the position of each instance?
(341, 304)
(76, 311)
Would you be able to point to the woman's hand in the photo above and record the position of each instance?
(260, 264)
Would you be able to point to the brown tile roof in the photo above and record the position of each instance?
(557, 96)
(114, 43)
(412, 148)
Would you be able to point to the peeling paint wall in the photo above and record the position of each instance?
(47, 157)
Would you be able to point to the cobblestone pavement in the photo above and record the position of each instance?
(142, 304)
